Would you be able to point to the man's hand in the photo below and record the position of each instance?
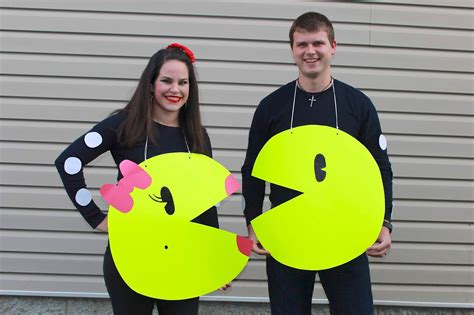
(382, 245)
(255, 247)
(103, 226)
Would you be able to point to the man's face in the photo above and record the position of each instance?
(312, 52)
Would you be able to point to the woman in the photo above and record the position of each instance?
(162, 117)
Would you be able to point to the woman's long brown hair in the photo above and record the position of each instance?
(139, 122)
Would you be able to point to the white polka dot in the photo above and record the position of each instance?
(242, 202)
(93, 139)
(382, 142)
(83, 197)
(72, 165)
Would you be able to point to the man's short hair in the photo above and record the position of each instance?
(312, 22)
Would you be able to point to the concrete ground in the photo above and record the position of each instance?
(22, 305)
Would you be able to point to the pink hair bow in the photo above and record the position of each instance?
(118, 196)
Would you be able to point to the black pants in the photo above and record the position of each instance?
(347, 288)
(125, 301)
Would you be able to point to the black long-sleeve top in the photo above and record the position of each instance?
(102, 138)
(356, 116)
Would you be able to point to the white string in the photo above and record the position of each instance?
(335, 104)
(146, 146)
(293, 109)
(185, 141)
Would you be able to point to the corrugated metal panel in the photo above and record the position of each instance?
(239, 95)
(66, 65)
(253, 290)
(222, 138)
(227, 50)
(412, 167)
(406, 36)
(130, 68)
(172, 26)
(406, 188)
(91, 265)
(279, 10)
(42, 198)
(91, 110)
(58, 221)
(416, 124)
(422, 17)
(435, 3)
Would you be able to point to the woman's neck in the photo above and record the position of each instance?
(166, 118)
(166, 123)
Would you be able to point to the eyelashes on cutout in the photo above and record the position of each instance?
(166, 197)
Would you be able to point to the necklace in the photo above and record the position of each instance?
(312, 99)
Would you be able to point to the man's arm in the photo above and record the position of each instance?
(372, 137)
(253, 189)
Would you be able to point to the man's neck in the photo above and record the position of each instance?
(314, 85)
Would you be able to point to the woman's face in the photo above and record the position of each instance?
(171, 88)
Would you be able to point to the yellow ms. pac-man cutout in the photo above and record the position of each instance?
(158, 251)
(340, 211)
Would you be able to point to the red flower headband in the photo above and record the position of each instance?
(186, 50)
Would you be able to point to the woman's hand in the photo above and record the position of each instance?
(225, 287)
(103, 226)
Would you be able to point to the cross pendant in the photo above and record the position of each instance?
(312, 99)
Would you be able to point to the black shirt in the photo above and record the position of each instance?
(102, 138)
(356, 115)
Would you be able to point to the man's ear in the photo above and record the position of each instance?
(333, 45)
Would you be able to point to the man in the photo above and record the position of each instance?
(316, 98)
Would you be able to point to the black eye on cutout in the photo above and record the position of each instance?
(166, 197)
(319, 165)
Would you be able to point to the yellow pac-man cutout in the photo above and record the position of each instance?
(158, 251)
(340, 211)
